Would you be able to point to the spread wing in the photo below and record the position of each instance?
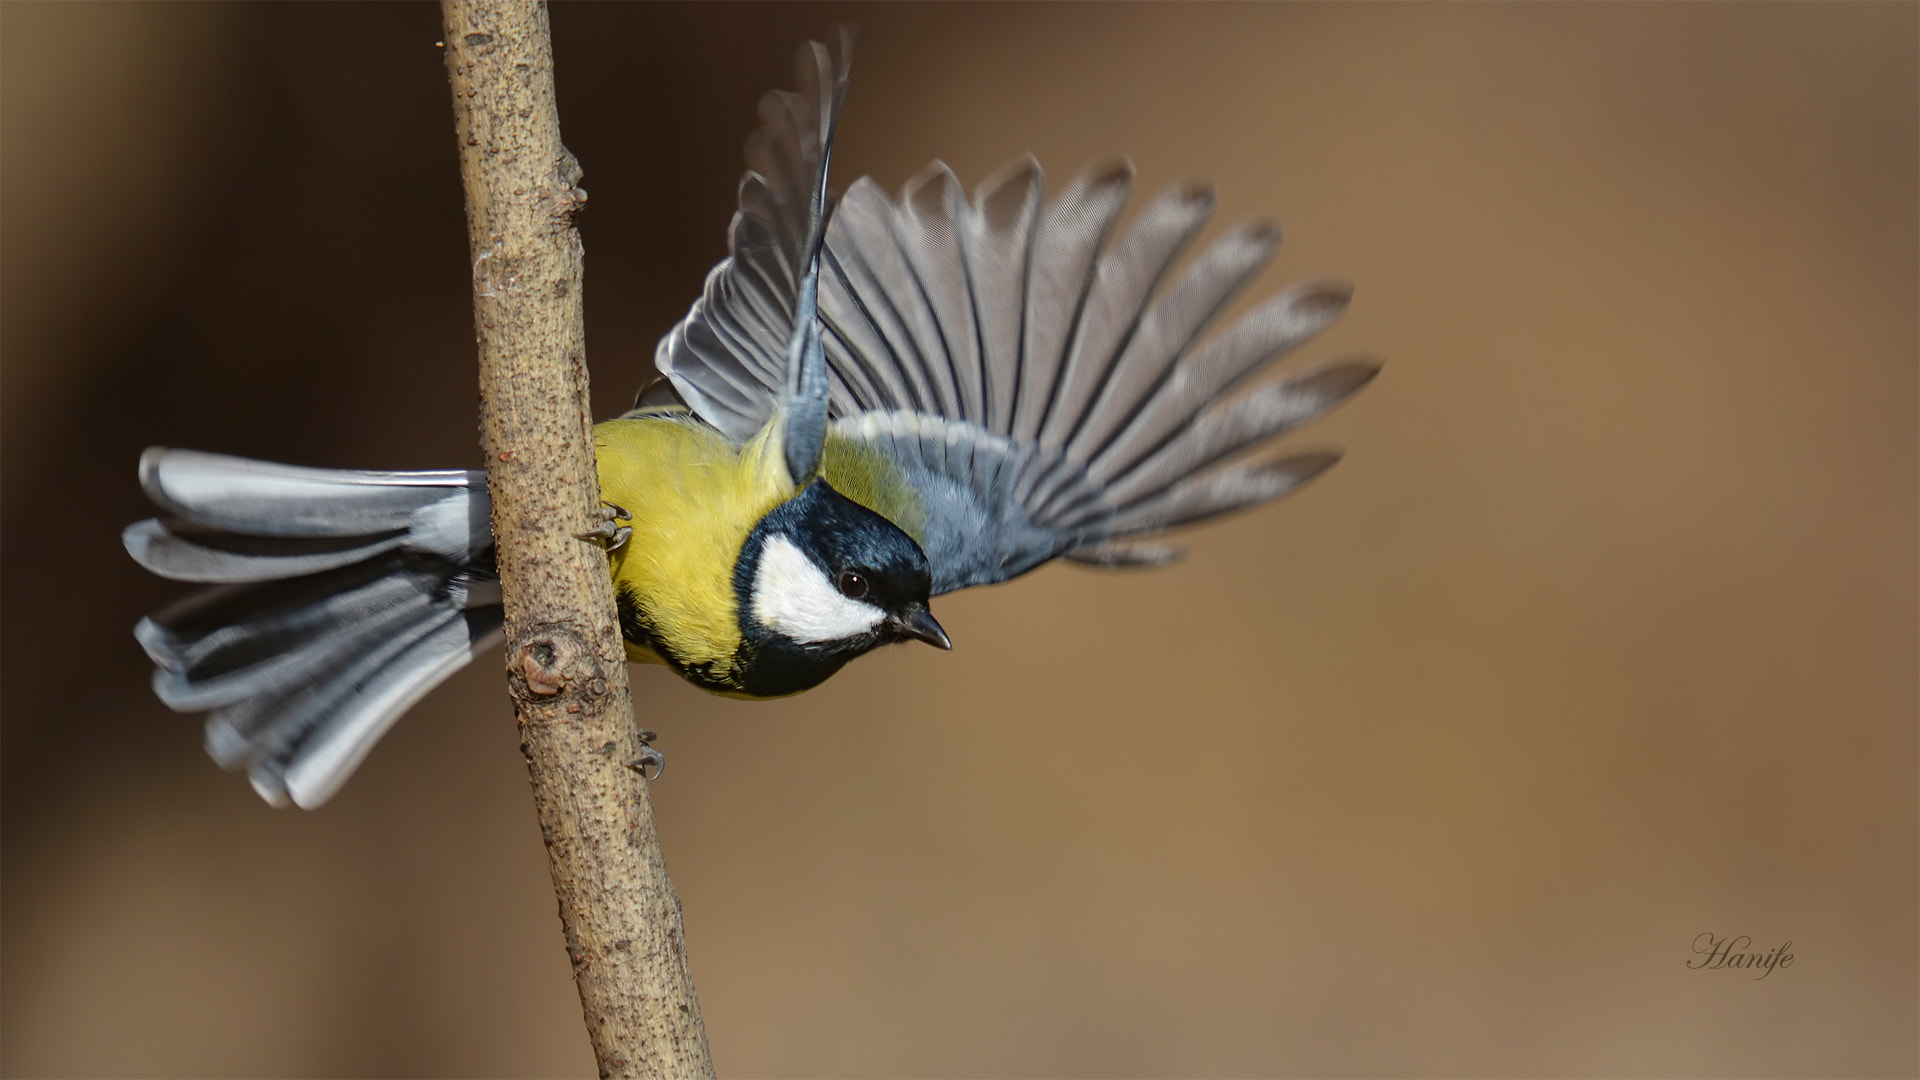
(1049, 385)
(749, 351)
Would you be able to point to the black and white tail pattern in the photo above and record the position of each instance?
(338, 599)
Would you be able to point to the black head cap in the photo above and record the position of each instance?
(820, 580)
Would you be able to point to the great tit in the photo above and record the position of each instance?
(874, 402)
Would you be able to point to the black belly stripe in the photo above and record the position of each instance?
(637, 626)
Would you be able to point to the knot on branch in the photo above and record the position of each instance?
(550, 663)
(565, 196)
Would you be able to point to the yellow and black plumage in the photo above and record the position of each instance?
(874, 402)
(688, 575)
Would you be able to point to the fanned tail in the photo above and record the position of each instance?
(340, 599)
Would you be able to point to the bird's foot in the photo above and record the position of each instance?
(649, 758)
(609, 534)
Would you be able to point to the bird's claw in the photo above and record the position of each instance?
(649, 757)
(608, 534)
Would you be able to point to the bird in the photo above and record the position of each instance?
(874, 401)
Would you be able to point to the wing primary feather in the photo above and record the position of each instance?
(1263, 336)
(878, 275)
(908, 277)
(930, 223)
(1126, 554)
(1171, 326)
(888, 384)
(1223, 491)
(1064, 495)
(749, 347)
(806, 396)
(1240, 422)
(1123, 279)
(851, 382)
(999, 251)
(1069, 237)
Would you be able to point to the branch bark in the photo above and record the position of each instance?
(566, 665)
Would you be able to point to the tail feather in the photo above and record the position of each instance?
(340, 599)
(252, 729)
(300, 747)
(312, 775)
(259, 498)
(271, 646)
(182, 551)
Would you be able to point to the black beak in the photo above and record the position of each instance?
(919, 625)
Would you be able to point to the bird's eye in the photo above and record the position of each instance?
(852, 585)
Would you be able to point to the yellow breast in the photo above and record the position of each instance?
(694, 499)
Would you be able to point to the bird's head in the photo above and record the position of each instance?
(821, 580)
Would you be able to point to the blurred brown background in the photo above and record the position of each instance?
(1604, 636)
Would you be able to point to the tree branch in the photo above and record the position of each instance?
(566, 665)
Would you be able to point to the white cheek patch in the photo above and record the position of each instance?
(793, 596)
